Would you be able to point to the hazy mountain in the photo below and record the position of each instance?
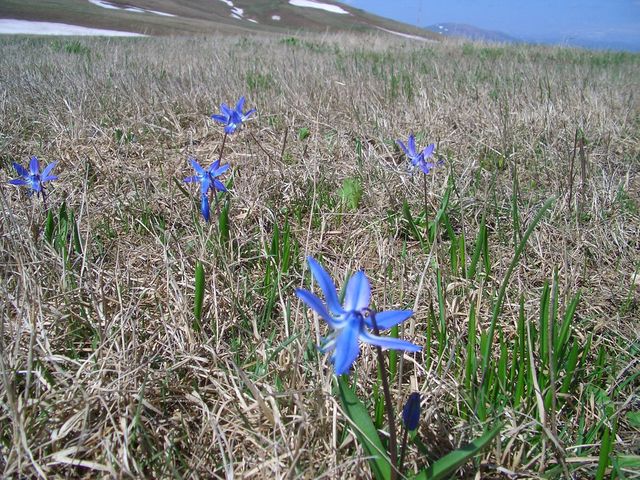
(470, 32)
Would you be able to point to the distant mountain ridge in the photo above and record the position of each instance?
(201, 17)
(471, 32)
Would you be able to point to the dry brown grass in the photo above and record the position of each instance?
(102, 372)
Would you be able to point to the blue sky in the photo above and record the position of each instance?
(606, 23)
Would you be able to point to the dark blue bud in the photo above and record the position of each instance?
(411, 412)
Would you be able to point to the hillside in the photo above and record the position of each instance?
(201, 17)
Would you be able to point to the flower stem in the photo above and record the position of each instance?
(44, 200)
(393, 446)
(224, 140)
(426, 203)
(403, 449)
(213, 196)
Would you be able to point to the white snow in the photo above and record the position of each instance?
(164, 14)
(228, 2)
(111, 6)
(322, 6)
(102, 4)
(252, 20)
(275, 17)
(237, 13)
(9, 26)
(406, 35)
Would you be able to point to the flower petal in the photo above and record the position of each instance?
(196, 166)
(224, 108)
(428, 150)
(326, 285)
(315, 304)
(388, 319)
(220, 118)
(19, 181)
(346, 348)
(412, 145)
(34, 166)
(218, 185)
(240, 105)
(47, 170)
(358, 292)
(426, 167)
(20, 169)
(245, 116)
(204, 207)
(194, 178)
(403, 147)
(388, 342)
(220, 170)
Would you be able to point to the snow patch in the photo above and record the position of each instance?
(237, 13)
(405, 35)
(228, 2)
(14, 27)
(164, 14)
(102, 4)
(252, 20)
(276, 18)
(111, 6)
(322, 6)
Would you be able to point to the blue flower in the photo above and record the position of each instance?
(32, 178)
(411, 412)
(206, 177)
(418, 159)
(233, 119)
(350, 321)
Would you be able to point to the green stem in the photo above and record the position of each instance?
(403, 449)
(426, 203)
(393, 446)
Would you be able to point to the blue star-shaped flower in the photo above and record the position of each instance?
(418, 159)
(32, 178)
(350, 321)
(232, 119)
(206, 177)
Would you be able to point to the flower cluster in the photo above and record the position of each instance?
(350, 321)
(232, 119)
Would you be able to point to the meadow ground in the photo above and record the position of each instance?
(106, 371)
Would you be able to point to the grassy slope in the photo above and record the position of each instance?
(203, 16)
(101, 363)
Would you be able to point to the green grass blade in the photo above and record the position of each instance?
(365, 431)
(444, 467)
(198, 297)
(477, 250)
(505, 281)
(223, 223)
(406, 212)
(562, 339)
(49, 227)
(605, 451)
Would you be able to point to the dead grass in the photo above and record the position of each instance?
(102, 372)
